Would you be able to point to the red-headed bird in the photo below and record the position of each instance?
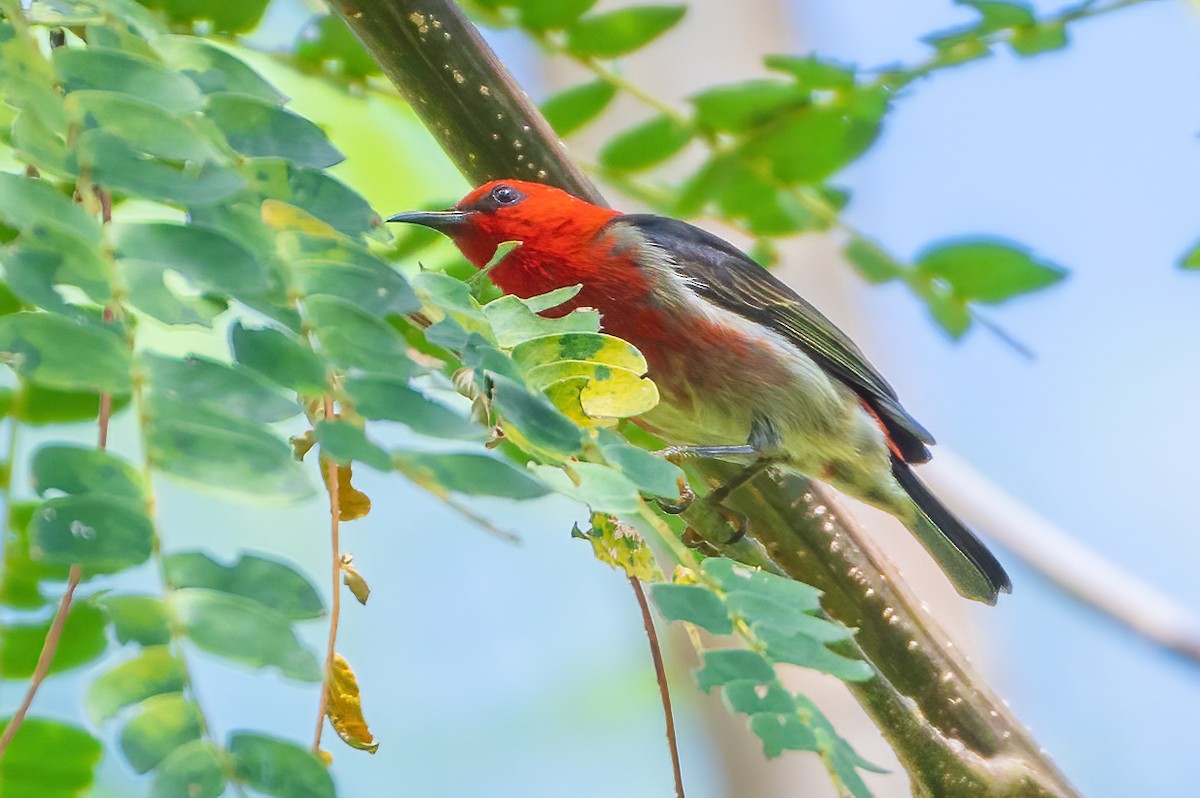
(744, 366)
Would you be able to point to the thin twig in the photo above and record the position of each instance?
(1062, 560)
(660, 672)
(45, 659)
(335, 606)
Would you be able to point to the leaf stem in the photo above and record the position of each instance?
(45, 659)
(660, 673)
(335, 511)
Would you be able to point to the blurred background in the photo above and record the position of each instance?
(494, 669)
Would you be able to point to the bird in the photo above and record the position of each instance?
(744, 366)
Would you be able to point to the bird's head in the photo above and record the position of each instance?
(546, 221)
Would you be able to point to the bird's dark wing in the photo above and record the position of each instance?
(725, 276)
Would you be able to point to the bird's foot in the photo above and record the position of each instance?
(686, 497)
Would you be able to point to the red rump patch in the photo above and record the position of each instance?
(883, 428)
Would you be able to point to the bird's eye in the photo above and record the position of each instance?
(505, 195)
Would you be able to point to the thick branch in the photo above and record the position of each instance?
(952, 733)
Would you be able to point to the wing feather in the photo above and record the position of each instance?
(725, 276)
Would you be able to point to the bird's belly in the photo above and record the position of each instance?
(731, 376)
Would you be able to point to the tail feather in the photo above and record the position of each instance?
(964, 558)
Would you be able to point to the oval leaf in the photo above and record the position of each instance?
(647, 144)
(623, 31)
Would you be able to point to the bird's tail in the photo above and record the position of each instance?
(973, 570)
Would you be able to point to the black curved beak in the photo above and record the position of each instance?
(443, 221)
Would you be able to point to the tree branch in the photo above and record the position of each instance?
(955, 737)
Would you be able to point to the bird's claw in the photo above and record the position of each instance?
(686, 497)
(738, 521)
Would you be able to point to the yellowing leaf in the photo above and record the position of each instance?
(354, 580)
(345, 708)
(592, 347)
(283, 216)
(619, 394)
(564, 394)
(352, 503)
(617, 545)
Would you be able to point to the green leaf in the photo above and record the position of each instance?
(1037, 39)
(82, 641)
(647, 144)
(1191, 260)
(354, 339)
(812, 144)
(21, 578)
(27, 772)
(346, 443)
(368, 283)
(278, 768)
(157, 293)
(812, 73)
(76, 470)
(327, 41)
(470, 474)
(314, 192)
(534, 418)
(25, 201)
(733, 665)
(573, 108)
(997, 14)
(601, 488)
(104, 534)
(209, 259)
(515, 321)
(760, 610)
(781, 733)
(736, 107)
(380, 398)
(751, 698)
(231, 388)
(271, 583)
(138, 619)
(194, 770)
(551, 14)
(949, 311)
(224, 16)
(144, 126)
(872, 262)
(807, 652)
(111, 70)
(213, 70)
(242, 630)
(734, 577)
(154, 672)
(47, 256)
(620, 32)
(163, 723)
(694, 604)
(67, 354)
(279, 357)
(121, 168)
(651, 473)
(219, 451)
(983, 270)
(261, 129)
